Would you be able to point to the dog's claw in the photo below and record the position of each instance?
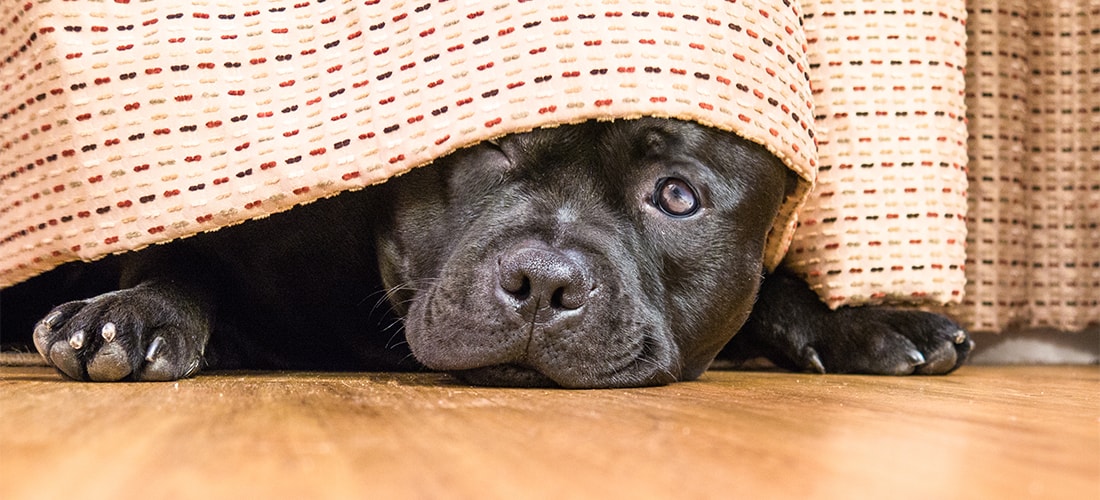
(109, 331)
(154, 348)
(76, 341)
(813, 361)
(960, 337)
(915, 357)
(42, 339)
(192, 369)
(44, 333)
(51, 320)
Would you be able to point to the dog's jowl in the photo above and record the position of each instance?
(602, 254)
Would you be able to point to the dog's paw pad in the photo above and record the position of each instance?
(117, 336)
(63, 357)
(161, 365)
(881, 350)
(110, 363)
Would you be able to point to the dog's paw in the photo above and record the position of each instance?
(131, 334)
(884, 341)
(791, 327)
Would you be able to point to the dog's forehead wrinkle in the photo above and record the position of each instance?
(549, 145)
(665, 137)
(563, 201)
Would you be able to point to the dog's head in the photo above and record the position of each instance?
(602, 254)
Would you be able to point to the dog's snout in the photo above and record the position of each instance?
(534, 278)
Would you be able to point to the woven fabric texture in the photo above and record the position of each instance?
(126, 124)
(129, 123)
(1033, 92)
(887, 220)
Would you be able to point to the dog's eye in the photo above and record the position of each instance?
(675, 197)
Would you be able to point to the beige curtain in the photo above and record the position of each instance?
(886, 221)
(1033, 98)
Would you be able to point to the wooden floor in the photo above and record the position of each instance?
(984, 432)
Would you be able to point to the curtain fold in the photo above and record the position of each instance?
(886, 221)
(1033, 99)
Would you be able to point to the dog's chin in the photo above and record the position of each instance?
(505, 375)
(519, 375)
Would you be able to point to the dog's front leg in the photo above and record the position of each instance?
(796, 331)
(155, 327)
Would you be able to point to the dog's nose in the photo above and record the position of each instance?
(536, 278)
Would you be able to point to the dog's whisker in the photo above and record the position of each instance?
(370, 295)
(406, 358)
(383, 296)
(400, 324)
(415, 286)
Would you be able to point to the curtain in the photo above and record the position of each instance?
(1033, 99)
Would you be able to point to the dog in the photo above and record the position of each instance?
(600, 254)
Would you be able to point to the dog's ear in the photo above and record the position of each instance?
(792, 184)
(790, 188)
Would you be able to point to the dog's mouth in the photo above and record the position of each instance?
(641, 371)
(505, 375)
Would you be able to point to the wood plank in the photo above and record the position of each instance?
(988, 432)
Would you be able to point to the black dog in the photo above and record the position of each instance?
(603, 254)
